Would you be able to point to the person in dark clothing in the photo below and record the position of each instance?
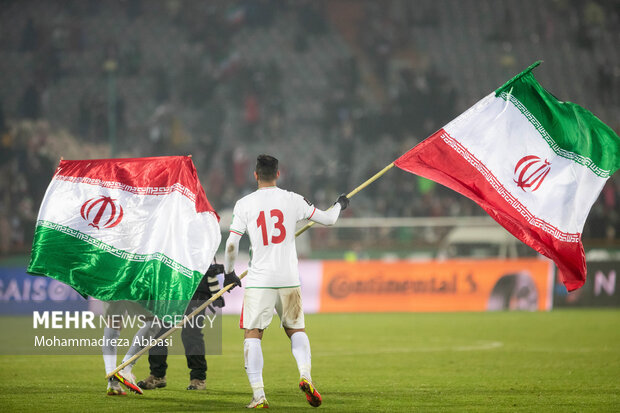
(193, 340)
(30, 103)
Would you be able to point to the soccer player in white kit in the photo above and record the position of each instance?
(269, 216)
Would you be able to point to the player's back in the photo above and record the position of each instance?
(269, 215)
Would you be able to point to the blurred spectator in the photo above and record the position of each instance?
(5, 231)
(48, 68)
(30, 103)
(310, 17)
(131, 61)
(346, 152)
(133, 9)
(30, 37)
(605, 82)
(3, 125)
(85, 117)
(214, 115)
(121, 116)
(110, 55)
(77, 40)
(162, 85)
(251, 114)
(241, 164)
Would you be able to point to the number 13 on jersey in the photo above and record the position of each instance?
(278, 224)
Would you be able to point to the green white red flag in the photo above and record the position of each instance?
(534, 163)
(137, 229)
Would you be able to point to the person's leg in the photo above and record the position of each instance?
(253, 355)
(111, 333)
(112, 310)
(157, 364)
(158, 355)
(145, 333)
(300, 347)
(289, 308)
(108, 348)
(258, 305)
(194, 344)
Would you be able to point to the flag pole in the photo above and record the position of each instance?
(177, 326)
(351, 194)
(217, 295)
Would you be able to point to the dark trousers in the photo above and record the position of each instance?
(194, 344)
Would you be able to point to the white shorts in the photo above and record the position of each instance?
(259, 303)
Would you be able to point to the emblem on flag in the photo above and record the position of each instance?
(530, 172)
(107, 208)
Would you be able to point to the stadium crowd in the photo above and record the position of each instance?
(336, 89)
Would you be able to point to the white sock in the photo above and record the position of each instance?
(300, 346)
(253, 354)
(146, 332)
(109, 351)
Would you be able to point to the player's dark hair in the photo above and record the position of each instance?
(266, 167)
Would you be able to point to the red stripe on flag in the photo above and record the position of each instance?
(141, 176)
(436, 160)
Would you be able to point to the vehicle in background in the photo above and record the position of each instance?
(482, 242)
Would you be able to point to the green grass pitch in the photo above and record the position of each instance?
(561, 361)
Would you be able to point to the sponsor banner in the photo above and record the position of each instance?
(367, 286)
(457, 285)
(21, 293)
(600, 290)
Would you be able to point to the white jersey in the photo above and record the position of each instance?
(269, 216)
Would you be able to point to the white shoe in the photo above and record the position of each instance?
(128, 375)
(114, 388)
(260, 403)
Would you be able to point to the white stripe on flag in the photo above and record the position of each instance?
(498, 135)
(166, 224)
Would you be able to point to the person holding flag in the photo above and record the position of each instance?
(137, 230)
(192, 337)
(269, 216)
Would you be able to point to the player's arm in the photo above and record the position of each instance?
(230, 255)
(231, 251)
(237, 228)
(330, 216)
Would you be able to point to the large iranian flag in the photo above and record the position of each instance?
(127, 229)
(534, 163)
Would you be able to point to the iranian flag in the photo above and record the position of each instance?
(127, 229)
(534, 163)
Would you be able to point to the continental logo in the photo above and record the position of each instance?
(342, 286)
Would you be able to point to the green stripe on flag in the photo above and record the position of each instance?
(106, 273)
(571, 131)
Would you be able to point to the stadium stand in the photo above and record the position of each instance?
(345, 85)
